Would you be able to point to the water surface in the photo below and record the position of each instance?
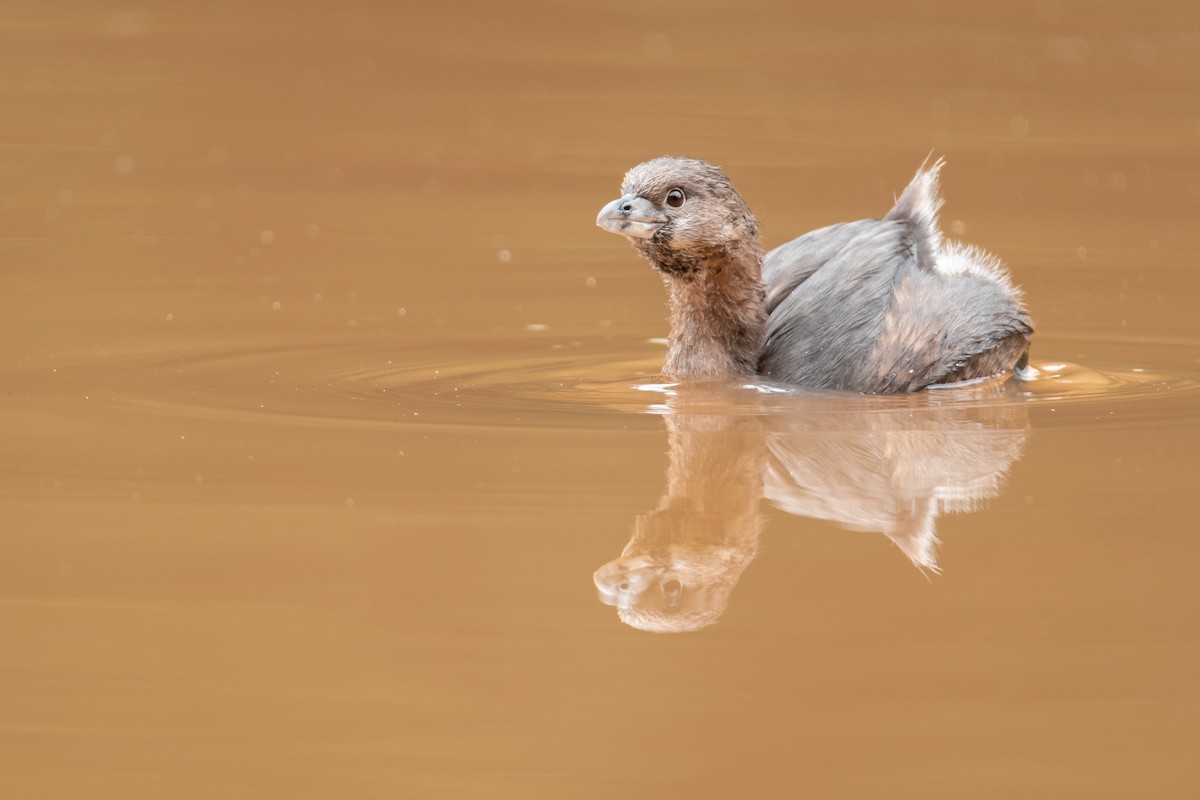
(334, 460)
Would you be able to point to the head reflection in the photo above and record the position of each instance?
(870, 464)
(685, 556)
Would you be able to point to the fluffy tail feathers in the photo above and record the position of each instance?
(918, 206)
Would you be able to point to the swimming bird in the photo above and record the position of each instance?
(876, 306)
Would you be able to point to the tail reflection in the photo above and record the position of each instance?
(867, 464)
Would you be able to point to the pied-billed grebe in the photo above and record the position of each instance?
(873, 306)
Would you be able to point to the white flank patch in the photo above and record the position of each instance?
(956, 258)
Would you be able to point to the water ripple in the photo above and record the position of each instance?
(570, 382)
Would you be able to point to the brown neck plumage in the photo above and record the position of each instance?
(717, 319)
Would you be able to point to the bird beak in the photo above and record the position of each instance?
(635, 217)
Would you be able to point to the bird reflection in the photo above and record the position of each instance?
(869, 464)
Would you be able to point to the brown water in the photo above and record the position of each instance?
(322, 399)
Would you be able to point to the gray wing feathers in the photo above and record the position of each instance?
(821, 332)
(789, 265)
(871, 318)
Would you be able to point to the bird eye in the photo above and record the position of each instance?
(675, 198)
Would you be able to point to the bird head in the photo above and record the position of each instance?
(680, 214)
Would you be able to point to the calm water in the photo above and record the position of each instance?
(334, 461)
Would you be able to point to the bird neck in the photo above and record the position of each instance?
(718, 322)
